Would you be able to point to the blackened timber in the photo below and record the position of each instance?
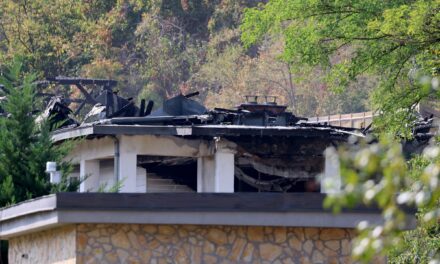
(158, 120)
(122, 110)
(83, 81)
(206, 130)
(134, 130)
(237, 130)
(142, 108)
(149, 108)
(89, 98)
(78, 110)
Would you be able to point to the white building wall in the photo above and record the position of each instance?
(215, 161)
(331, 178)
(141, 180)
(107, 173)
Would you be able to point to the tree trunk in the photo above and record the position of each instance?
(291, 88)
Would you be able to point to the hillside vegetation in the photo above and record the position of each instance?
(318, 56)
(159, 48)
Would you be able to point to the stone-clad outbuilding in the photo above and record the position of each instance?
(222, 186)
(191, 194)
(180, 228)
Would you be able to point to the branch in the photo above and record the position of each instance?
(333, 13)
(326, 13)
(4, 32)
(391, 50)
(396, 76)
(355, 38)
(291, 86)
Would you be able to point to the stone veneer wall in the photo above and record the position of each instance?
(132, 243)
(52, 246)
(102, 243)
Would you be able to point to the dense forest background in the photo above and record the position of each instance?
(318, 57)
(157, 49)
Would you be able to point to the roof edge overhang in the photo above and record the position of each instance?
(251, 209)
(102, 129)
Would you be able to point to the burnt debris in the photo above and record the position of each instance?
(255, 113)
(100, 102)
(276, 150)
(58, 113)
(104, 104)
(98, 95)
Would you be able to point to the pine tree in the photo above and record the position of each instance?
(25, 146)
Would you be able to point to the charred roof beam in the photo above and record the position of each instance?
(107, 83)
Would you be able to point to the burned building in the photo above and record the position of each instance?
(183, 147)
(208, 166)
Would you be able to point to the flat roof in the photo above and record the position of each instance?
(202, 130)
(261, 209)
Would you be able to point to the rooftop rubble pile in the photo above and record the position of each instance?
(109, 107)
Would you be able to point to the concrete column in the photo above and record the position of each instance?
(331, 178)
(141, 180)
(89, 172)
(216, 173)
(128, 171)
(224, 172)
(206, 174)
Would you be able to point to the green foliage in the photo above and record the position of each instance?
(348, 39)
(63, 37)
(418, 245)
(377, 174)
(103, 188)
(159, 48)
(44, 33)
(397, 42)
(25, 147)
(169, 52)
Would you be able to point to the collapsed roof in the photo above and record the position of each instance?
(275, 148)
(103, 105)
(108, 106)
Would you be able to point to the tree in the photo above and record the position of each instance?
(170, 54)
(156, 49)
(70, 37)
(398, 43)
(25, 146)
(378, 174)
(229, 73)
(46, 34)
(348, 39)
(24, 150)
